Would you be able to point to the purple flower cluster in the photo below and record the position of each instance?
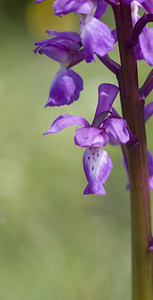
(69, 49)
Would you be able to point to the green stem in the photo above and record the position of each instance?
(137, 160)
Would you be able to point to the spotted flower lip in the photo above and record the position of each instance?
(65, 48)
(97, 163)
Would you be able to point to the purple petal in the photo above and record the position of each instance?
(68, 6)
(148, 111)
(97, 167)
(96, 37)
(112, 140)
(71, 43)
(107, 94)
(65, 88)
(66, 120)
(150, 163)
(146, 45)
(64, 35)
(114, 34)
(126, 170)
(148, 5)
(56, 52)
(90, 137)
(62, 47)
(101, 8)
(129, 1)
(150, 248)
(118, 129)
(38, 1)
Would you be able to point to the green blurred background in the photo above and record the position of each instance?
(55, 243)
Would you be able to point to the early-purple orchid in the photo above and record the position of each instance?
(96, 161)
(96, 37)
(64, 47)
(135, 42)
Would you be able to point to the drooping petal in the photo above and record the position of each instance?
(90, 137)
(118, 129)
(101, 8)
(66, 120)
(97, 167)
(65, 88)
(148, 111)
(107, 94)
(96, 37)
(78, 6)
(146, 45)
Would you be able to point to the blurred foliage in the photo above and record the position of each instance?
(14, 8)
(41, 17)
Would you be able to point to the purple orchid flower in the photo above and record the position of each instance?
(147, 4)
(148, 112)
(96, 161)
(96, 37)
(144, 47)
(64, 47)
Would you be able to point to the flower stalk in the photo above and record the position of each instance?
(137, 160)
